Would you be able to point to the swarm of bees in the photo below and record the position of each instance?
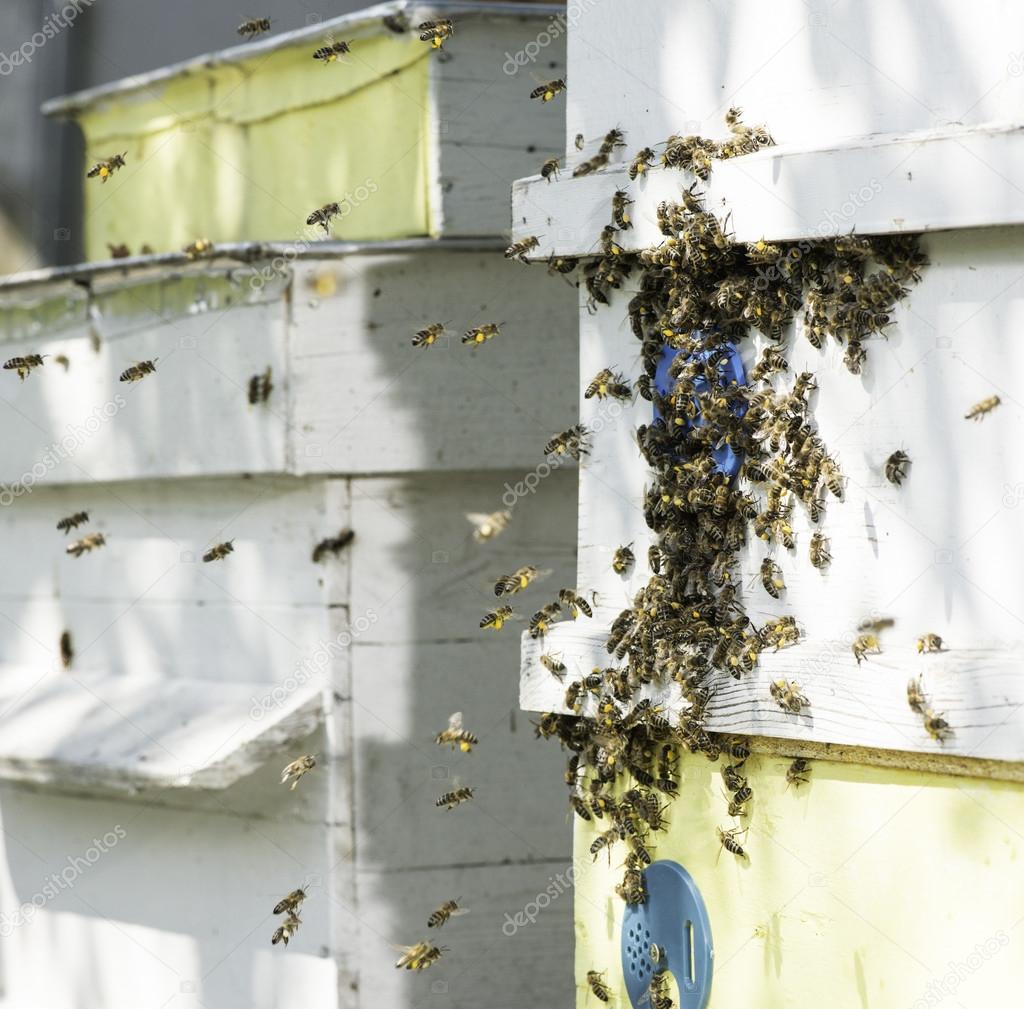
(105, 168)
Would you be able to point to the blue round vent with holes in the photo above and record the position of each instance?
(674, 921)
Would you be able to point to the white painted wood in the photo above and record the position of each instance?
(131, 733)
(872, 185)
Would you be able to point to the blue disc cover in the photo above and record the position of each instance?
(732, 372)
(675, 920)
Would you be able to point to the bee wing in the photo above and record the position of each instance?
(542, 574)
(459, 911)
(455, 721)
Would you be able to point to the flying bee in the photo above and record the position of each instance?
(497, 618)
(456, 735)
(219, 552)
(23, 365)
(62, 360)
(595, 978)
(332, 545)
(480, 334)
(876, 624)
(896, 467)
(797, 772)
(508, 585)
(105, 168)
(623, 560)
(286, 930)
(449, 909)
(436, 32)
(639, 165)
(291, 903)
(570, 442)
(979, 410)
(915, 695)
(297, 768)
(260, 386)
(323, 216)
(67, 651)
(519, 250)
(488, 526)
(330, 53)
(787, 694)
(251, 27)
(428, 337)
(554, 666)
(607, 383)
(397, 23)
(727, 838)
(139, 371)
(86, 544)
(574, 603)
(454, 798)
(197, 249)
(819, 551)
(620, 216)
(578, 142)
(545, 92)
(65, 525)
(549, 170)
(541, 621)
(419, 957)
(929, 643)
(865, 645)
(771, 578)
(936, 726)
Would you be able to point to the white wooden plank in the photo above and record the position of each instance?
(132, 733)
(364, 400)
(872, 185)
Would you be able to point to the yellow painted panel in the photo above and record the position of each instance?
(247, 158)
(869, 887)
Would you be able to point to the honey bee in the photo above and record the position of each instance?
(67, 652)
(62, 360)
(734, 781)
(139, 371)
(449, 909)
(397, 23)
(519, 250)
(570, 442)
(456, 735)
(197, 249)
(797, 772)
(297, 768)
(550, 169)
(787, 694)
(330, 53)
(574, 603)
(286, 930)
(739, 800)
(929, 643)
(428, 337)
(561, 264)
(607, 383)
(727, 838)
(819, 551)
(620, 216)
(119, 251)
(658, 991)
(332, 545)
(915, 695)
(454, 798)
(497, 618)
(436, 32)
(86, 544)
(251, 27)
(545, 92)
(623, 560)
(639, 165)
(580, 808)
(876, 624)
(864, 645)
(260, 387)
(324, 215)
(23, 365)
(542, 620)
(896, 467)
(105, 168)
(480, 334)
(488, 526)
(936, 726)
(419, 957)
(291, 903)
(554, 666)
(979, 410)
(771, 578)
(595, 978)
(218, 552)
(65, 525)
(508, 585)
